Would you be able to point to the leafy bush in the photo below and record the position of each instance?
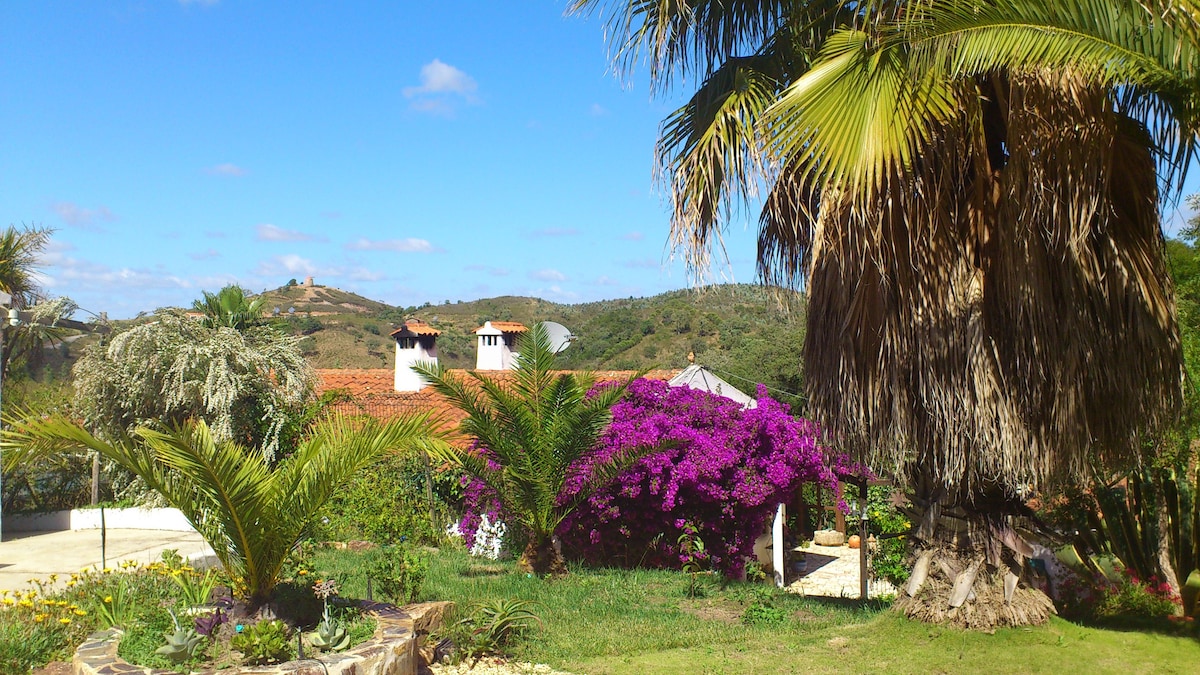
(890, 559)
(763, 614)
(728, 470)
(1123, 598)
(264, 642)
(384, 503)
(397, 571)
(491, 626)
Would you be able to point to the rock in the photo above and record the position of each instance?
(828, 538)
(427, 617)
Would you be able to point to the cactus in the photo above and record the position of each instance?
(330, 637)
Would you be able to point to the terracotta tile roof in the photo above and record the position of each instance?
(507, 326)
(415, 327)
(372, 392)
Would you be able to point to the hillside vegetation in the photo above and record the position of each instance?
(745, 333)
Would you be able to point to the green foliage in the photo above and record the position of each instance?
(195, 588)
(230, 307)
(530, 431)
(763, 614)
(252, 514)
(889, 560)
(385, 503)
(183, 644)
(175, 368)
(117, 608)
(264, 642)
(397, 572)
(491, 626)
(691, 548)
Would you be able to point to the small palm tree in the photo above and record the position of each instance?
(230, 308)
(251, 514)
(531, 434)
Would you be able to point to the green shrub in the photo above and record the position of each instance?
(763, 614)
(264, 642)
(397, 571)
(890, 559)
(385, 503)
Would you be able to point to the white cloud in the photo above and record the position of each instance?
(286, 264)
(439, 78)
(605, 281)
(269, 232)
(226, 169)
(441, 83)
(547, 275)
(633, 236)
(409, 245)
(76, 216)
(205, 255)
(364, 274)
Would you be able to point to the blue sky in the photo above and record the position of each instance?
(410, 152)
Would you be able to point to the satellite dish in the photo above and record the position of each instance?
(560, 336)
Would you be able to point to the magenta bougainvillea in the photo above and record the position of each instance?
(723, 469)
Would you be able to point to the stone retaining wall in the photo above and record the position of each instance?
(393, 650)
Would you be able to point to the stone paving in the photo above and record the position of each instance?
(37, 555)
(832, 572)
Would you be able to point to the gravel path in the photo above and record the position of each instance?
(496, 666)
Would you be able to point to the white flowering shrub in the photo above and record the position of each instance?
(489, 539)
(246, 385)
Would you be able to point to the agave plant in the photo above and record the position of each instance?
(251, 514)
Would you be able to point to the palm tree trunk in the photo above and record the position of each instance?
(968, 566)
(543, 556)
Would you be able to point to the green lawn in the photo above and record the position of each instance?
(618, 621)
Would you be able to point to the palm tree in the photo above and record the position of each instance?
(19, 253)
(969, 191)
(230, 308)
(529, 435)
(20, 250)
(251, 514)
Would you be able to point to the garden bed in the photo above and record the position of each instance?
(392, 651)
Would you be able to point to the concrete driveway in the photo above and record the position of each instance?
(29, 555)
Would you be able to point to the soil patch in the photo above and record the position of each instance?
(724, 612)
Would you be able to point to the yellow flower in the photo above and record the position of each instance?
(10, 602)
(64, 621)
(80, 612)
(26, 603)
(53, 578)
(108, 599)
(302, 573)
(39, 618)
(107, 570)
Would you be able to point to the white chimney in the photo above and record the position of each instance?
(416, 342)
(497, 345)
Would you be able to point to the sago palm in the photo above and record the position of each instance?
(969, 192)
(529, 433)
(251, 514)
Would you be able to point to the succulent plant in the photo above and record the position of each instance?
(330, 637)
(182, 645)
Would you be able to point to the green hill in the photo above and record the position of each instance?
(745, 333)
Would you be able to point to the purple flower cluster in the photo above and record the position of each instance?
(725, 471)
(722, 469)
